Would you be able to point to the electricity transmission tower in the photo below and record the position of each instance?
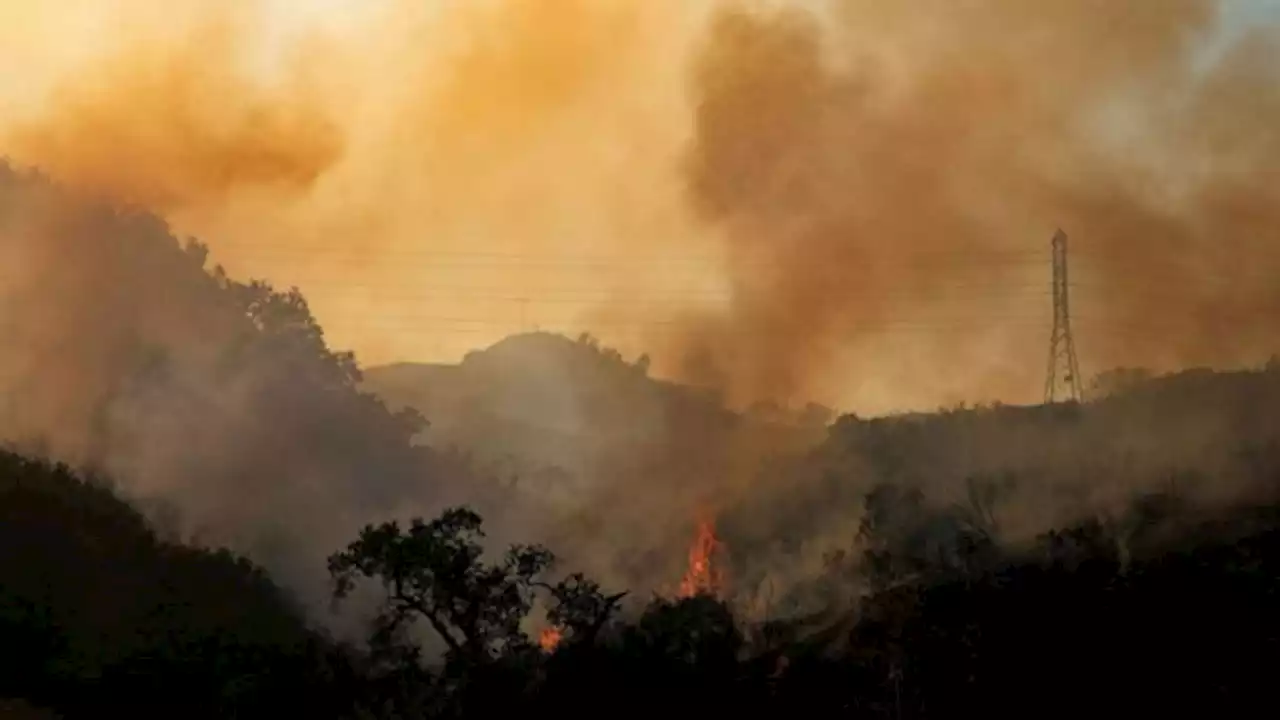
(1063, 377)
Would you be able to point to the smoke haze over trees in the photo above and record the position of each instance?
(214, 398)
(222, 412)
(626, 258)
(218, 410)
(101, 616)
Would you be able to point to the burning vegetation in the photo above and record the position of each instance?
(549, 639)
(705, 574)
(1122, 552)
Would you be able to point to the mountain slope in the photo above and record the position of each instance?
(1197, 438)
(539, 401)
(619, 460)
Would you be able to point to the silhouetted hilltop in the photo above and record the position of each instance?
(570, 412)
(540, 397)
(610, 462)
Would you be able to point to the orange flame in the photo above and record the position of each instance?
(704, 575)
(550, 639)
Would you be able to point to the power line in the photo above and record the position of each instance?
(340, 299)
(261, 249)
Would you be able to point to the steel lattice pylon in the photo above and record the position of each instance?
(1062, 381)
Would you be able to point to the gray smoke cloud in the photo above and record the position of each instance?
(880, 163)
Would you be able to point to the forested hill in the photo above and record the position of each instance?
(217, 399)
(1199, 438)
(608, 462)
(101, 616)
(570, 419)
(1123, 550)
(575, 422)
(99, 612)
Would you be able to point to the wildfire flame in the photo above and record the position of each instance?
(550, 639)
(704, 575)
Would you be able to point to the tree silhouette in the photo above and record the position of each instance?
(435, 572)
(98, 614)
(698, 632)
(581, 608)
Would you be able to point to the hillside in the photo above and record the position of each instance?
(633, 456)
(223, 404)
(218, 399)
(103, 617)
(99, 612)
(1196, 438)
(595, 442)
(542, 405)
(532, 404)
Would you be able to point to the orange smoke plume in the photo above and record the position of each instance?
(171, 124)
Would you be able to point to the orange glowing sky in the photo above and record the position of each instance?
(436, 175)
(480, 152)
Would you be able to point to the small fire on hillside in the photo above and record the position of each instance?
(705, 575)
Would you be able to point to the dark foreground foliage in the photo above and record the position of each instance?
(98, 614)
(99, 617)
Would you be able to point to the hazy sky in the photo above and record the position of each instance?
(400, 261)
(435, 175)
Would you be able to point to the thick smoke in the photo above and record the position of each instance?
(852, 204)
(417, 168)
(126, 356)
(168, 117)
(872, 189)
(907, 163)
